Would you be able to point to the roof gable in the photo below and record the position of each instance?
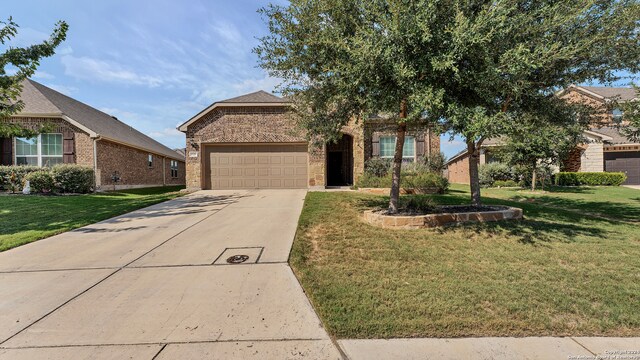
(96, 121)
(607, 92)
(258, 98)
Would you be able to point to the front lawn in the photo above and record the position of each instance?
(24, 219)
(558, 272)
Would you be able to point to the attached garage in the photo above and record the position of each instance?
(255, 166)
(627, 162)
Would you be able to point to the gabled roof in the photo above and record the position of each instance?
(611, 135)
(40, 100)
(607, 92)
(258, 98)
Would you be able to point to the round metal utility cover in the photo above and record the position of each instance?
(237, 259)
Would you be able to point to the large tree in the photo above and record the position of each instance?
(16, 65)
(472, 65)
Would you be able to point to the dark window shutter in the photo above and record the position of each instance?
(420, 146)
(375, 145)
(7, 151)
(68, 147)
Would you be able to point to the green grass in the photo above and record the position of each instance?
(558, 272)
(24, 219)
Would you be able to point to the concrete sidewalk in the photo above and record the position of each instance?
(538, 348)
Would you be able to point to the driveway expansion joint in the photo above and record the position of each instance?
(584, 347)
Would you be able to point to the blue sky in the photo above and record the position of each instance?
(152, 63)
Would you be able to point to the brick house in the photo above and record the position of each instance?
(605, 149)
(86, 136)
(253, 141)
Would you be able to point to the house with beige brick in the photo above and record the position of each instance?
(254, 141)
(605, 147)
(121, 156)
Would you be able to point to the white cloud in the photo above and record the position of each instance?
(43, 75)
(166, 132)
(451, 147)
(87, 68)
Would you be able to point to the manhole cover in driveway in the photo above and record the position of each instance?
(237, 259)
(239, 255)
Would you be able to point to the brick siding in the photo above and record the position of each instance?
(458, 171)
(132, 166)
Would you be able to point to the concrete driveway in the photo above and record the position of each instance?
(156, 284)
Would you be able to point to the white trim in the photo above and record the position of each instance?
(39, 155)
(202, 113)
(415, 154)
(91, 133)
(596, 134)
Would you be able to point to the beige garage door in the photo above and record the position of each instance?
(269, 166)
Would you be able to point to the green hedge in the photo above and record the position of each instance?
(67, 178)
(408, 180)
(12, 177)
(590, 178)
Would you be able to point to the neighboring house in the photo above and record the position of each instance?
(86, 136)
(252, 141)
(606, 149)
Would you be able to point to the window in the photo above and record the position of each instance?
(617, 115)
(174, 168)
(150, 160)
(388, 147)
(42, 150)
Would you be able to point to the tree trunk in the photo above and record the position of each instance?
(533, 178)
(394, 196)
(474, 178)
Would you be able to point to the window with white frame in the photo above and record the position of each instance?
(617, 115)
(388, 147)
(150, 160)
(42, 150)
(174, 168)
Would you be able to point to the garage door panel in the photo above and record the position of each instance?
(256, 166)
(627, 162)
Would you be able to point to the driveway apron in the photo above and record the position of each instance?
(203, 276)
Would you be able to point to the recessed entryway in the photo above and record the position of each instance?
(340, 162)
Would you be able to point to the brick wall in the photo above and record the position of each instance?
(238, 125)
(601, 117)
(83, 144)
(132, 166)
(180, 180)
(458, 171)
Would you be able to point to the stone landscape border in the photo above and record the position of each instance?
(375, 217)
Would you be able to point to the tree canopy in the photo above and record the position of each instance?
(471, 66)
(18, 64)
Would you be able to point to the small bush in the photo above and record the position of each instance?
(418, 204)
(12, 177)
(590, 178)
(505, 183)
(435, 162)
(73, 178)
(40, 181)
(368, 180)
(377, 167)
(423, 181)
(492, 172)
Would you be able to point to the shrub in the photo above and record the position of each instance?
(40, 181)
(419, 204)
(70, 178)
(590, 178)
(368, 180)
(505, 183)
(425, 180)
(435, 162)
(492, 172)
(377, 167)
(12, 177)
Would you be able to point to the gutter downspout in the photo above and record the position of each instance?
(164, 171)
(95, 162)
